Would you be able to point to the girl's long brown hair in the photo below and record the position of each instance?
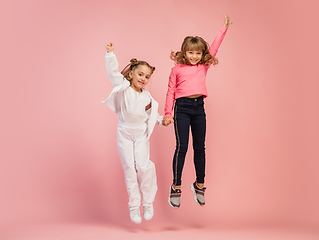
(194, 44)
(134, 63)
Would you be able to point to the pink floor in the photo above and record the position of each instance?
(141, 232)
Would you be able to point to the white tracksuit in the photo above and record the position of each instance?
(133, 132)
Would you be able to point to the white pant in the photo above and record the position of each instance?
(140, 175)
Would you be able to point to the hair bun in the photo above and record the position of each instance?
(134, 62)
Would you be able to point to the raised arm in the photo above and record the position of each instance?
(227, 21)
(112, 66)
(220, 36)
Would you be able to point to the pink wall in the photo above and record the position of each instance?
(58, 152)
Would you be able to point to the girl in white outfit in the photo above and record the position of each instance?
(137, 113)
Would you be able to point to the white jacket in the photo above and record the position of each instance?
(121, 84)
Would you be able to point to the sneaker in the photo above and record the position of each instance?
(174, 198)
(198, 194)
(135, 215)
(148, 212)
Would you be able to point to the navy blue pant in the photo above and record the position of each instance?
(189, 113)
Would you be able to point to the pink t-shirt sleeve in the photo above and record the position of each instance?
(170, 95)
(217, 41)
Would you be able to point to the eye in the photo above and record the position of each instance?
(147, 77)
(140, 74)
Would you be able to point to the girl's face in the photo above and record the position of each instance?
(140, 77)
(194, 57)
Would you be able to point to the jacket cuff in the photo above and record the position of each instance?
(109, 54)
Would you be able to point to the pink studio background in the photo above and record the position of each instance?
(59, 162)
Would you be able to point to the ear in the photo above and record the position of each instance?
(130, 74)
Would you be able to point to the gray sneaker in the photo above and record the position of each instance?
(198, 194)
(174, 197)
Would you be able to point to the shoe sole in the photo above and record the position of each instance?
(195, 198)
(137, 222)
(147, 219)
(169, 198)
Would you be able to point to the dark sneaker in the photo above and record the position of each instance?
(174, 198)
(198, 194)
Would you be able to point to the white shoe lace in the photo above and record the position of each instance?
(148, 212)
(135, 212)
(147, 209)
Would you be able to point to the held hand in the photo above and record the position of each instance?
(227, 21)
(167, 121)
(109, 47)
(164, 122)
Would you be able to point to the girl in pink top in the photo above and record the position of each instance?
(187, 89)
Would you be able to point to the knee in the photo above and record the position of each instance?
(182, 148)
(145, 166)
(199, 147)
(129, 169)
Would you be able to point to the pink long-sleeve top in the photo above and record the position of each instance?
(188, 80)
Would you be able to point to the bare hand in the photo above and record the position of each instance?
(109, 47)
(227, 21)
(167, 121)
(148, 106)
